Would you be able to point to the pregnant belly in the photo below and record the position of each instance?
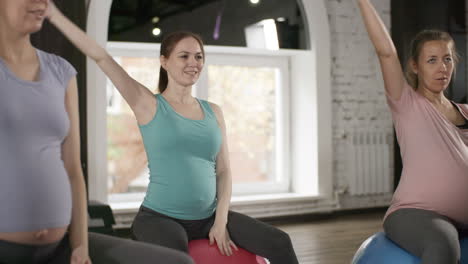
(37, 237)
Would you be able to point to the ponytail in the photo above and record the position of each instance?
(163, 80)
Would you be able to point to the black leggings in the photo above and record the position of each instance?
(102, 250)
(255, 236)
(430, 236)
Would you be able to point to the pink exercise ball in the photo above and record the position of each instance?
(202, 253)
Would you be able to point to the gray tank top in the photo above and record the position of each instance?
(34, 186)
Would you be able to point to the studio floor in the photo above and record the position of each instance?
(333, 239)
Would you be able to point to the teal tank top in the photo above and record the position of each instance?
(182, 160)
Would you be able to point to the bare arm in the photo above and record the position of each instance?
(394, 78)
(140, 99)
(223, 172)
(72, 162)
(219, 230)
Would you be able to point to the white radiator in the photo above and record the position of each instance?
(369, 162)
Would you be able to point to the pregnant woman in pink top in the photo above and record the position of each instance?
(428, 213)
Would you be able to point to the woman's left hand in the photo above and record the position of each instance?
(220, 234)
(80, 256)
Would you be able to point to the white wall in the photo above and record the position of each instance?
(357, 88)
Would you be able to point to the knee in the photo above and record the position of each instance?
(281, 240)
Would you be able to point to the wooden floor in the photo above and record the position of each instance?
(333, 240)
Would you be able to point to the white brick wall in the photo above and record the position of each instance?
(357, 87)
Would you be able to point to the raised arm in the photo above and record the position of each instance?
(139, 98)
(394, 78)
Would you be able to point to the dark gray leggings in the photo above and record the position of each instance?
(255, 236)
(432, 237)
(103, 249)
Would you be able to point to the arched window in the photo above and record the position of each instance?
(276, 101)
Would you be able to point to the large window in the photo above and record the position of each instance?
(251, 90)
(253, 93)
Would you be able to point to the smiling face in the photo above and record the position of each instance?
(184, 63)
(23, 16)
(434, 66)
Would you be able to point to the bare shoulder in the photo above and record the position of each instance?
(216, 108)
(218, 113)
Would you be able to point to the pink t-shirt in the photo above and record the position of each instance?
(435, 158)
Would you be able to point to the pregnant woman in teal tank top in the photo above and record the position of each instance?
(185, 139)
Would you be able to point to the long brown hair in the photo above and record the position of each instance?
(167, 46)
(415, 50)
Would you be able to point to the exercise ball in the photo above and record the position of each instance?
(202, 253)
(379, 249)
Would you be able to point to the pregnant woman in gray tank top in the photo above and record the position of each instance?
(43, 217)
